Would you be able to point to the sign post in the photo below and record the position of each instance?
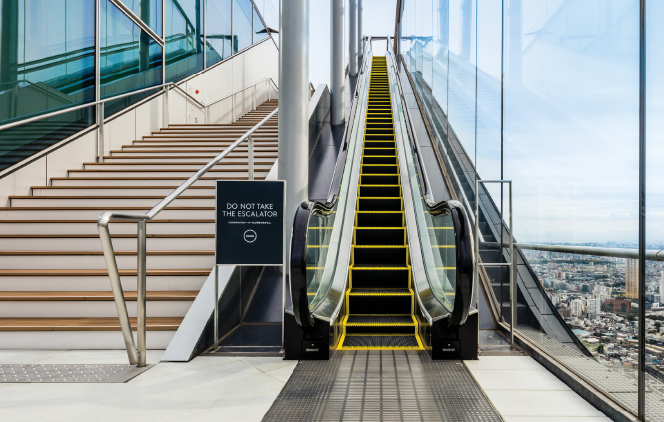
(250, 229)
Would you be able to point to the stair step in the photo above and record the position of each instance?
(83, 324)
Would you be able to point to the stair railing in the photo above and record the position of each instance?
(137, 355)
(166, 88)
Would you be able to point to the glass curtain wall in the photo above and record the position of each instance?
(44, 68)
(562, 124)
(47, 57)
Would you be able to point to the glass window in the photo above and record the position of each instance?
(218, 28)
(260, 33)
(46, 63)
(270, 16)
(149, 11)
(242, 28)
(184, 38)
(130, 58)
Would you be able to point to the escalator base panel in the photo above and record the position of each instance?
(381, 386)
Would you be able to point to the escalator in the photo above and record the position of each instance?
(379, 265)
(379, 299)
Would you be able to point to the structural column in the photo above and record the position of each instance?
(294, 104)
(360, 50)
(337, 63)
(352, 37)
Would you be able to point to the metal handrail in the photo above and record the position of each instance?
(137, 355)
(651, 254)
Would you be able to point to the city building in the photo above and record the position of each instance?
(348, 210)
(631, 278)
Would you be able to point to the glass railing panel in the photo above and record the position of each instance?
(218, 30)
(242, 28)
(184, 38)
(149, 11)
(325, 227)
(46, 64)
(436, 231)
(130, 58)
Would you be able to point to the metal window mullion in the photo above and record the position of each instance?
(641, 408)
(98, 108)
(232, 28)
(124, 9)
(204, 6)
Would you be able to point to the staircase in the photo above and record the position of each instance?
(53, 276)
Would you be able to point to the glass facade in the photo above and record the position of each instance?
(242, 26)
(44, 68)
(562, 123)
(47, 57)
(130, 59)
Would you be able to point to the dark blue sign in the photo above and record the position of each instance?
(250, 222)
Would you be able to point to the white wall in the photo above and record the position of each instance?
(241, 71)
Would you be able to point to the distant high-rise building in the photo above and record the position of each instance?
(632, 279)
(594, 305)
(661, 284)
(577, 307)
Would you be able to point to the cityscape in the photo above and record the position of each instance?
(598, 299)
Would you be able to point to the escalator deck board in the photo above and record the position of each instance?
(380, 290)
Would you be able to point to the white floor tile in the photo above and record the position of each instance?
(518, 379)
(504, 363)
(540, 403)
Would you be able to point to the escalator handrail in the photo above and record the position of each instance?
(298, 265)
(463, 233)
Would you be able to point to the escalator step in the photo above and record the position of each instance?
(380, 303)
(380, 169)
(380, 236)
(380, 144)
(380, 159)
(380, 256)
(405, 319)
(375, 219)
(374, 277)
(379, 204)
(380, 190)
(378, 151)
(379, 342)
(382, 179)
(380, 329)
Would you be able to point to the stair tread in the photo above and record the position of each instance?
(88, 252)
(104, 272)
(93, 295)
(84, 324)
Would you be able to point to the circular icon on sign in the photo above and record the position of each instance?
(250, 236)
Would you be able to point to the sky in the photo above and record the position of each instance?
(378, 21)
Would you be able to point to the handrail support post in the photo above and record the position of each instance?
(141, 323)
(165, 105)
(100, 133)
(251, 157)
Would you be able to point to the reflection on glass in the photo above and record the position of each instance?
(270, 16)
(218, 28)
(149, 11)
(655, 209)
(242, 26)
(184, 38)
(260, 32)
(44, 68)
(130, 58)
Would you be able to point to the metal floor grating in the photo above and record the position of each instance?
(381, 386)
